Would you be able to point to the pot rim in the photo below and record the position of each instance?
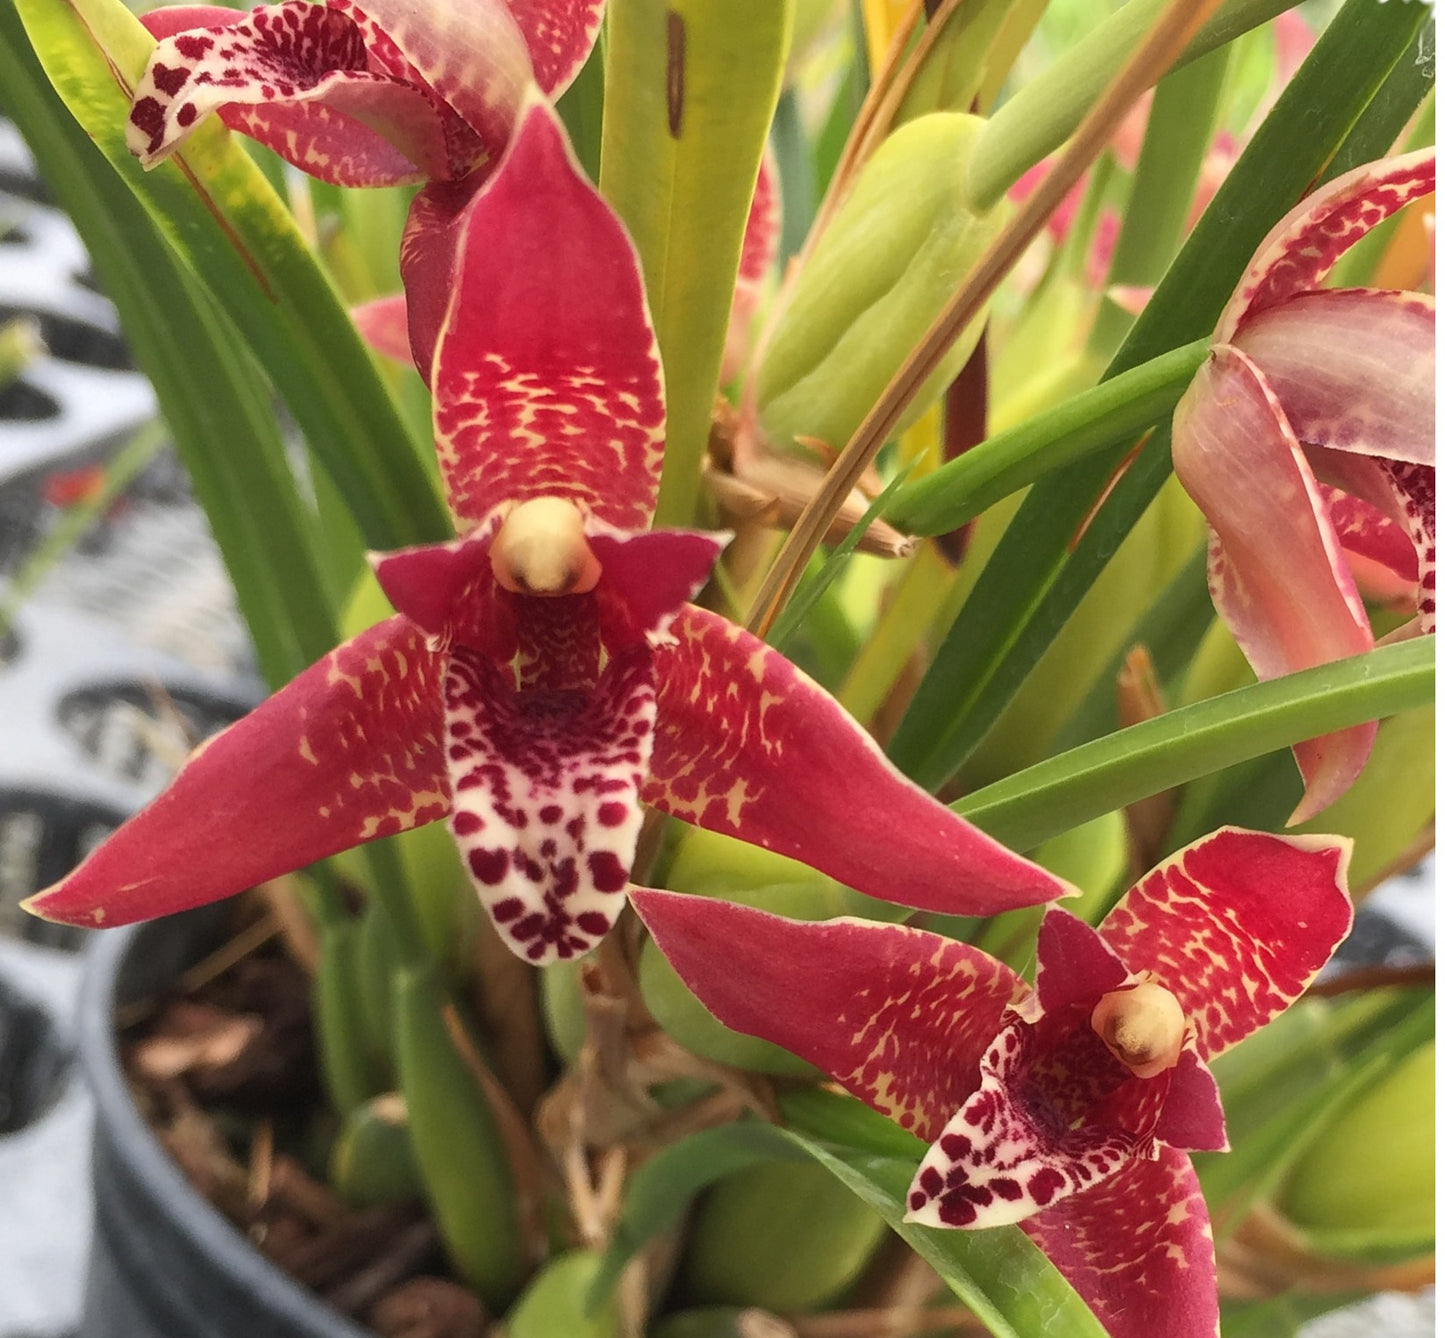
(225, 1246)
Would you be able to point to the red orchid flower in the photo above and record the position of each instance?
(375, 94)
(1068, 1107)
(1309, 435)
(544, 673)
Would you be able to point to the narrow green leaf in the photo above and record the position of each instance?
(1053, 796)
(1113, 412)
(691, 88)
(1001, 1275)
(1043, 564)
(215, 402)
(1408, 85)
(1170, 629)
(796, 177)
(217, 209)
(1047, 110)
(1181, 126)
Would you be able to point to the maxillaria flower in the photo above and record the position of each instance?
(381, 93)
(544, 673)
(1068, 1107)
(1309, 435)
(374, 94)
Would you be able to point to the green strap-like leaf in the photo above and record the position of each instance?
(213, 399)
(1001, 1275)
(222, 217)
(1115, 411)
(690, 91)
(1166, 181)
(1043, 565)
(1054, 796)
(1047, 110)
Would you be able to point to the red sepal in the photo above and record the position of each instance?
(546, 375)
(1137, 1247)
(1236, 926)
(750, 746)
(348, 751)
(898, 1016)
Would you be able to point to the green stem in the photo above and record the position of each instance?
(1103, 416)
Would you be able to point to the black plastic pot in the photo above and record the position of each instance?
(164, 1263)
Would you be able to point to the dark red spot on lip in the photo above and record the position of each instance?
(489, 866)
(466, 823)
(186, 115)
(193, 45)
(612, 814)
(608, 872)
(507, 909)
(148, 116)
(1044, 1185)
(594, 923)
(956, 1211)
(170, 80)
(551, 814)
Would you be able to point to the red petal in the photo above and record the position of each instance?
(429, 244)
(1075, 964)
(898, 1016)
(449, 592)
(382, 324)
(648, 577)
(472, 55)
(1353, 369)
(1365, 531)
(1006, 1155)
(297, 77)
(347, 752)
(559, 35)
(1236, 926)
(1403, 492)
(1304, 245)
(749, 746)
(1192, 1119)
(1277, 573)
(545, 798)
(546, 376)
(1138, 1249)
(1415, 487)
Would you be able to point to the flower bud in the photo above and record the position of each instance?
(781, 1235)
(888, 262)
(1364, 1186)
(372, 1161)
(555, 1302)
